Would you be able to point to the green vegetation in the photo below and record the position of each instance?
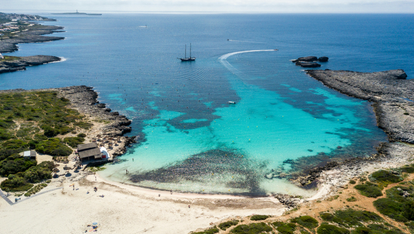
(53, 146)
(407, 168)
(253, 228)
(35, 189)
(74, 141)
(22, 181)
(15, 164)
(306, 221)
(208, 231)
(398, 205)
(351, 199)
(32, 120)
(386, 177)
(350, 217)
(285, 228)
(369, 189)
(259, 217)
(15, 184)
(225, 225)
(352, 182)
(326, 228)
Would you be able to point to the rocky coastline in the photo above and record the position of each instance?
(11, 64)
(391, 95)
(85, 100)
(28, 31)
(20, 28)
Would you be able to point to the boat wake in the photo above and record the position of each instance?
(223, 59)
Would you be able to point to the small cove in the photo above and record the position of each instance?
(192, 140)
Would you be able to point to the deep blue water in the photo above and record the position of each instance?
(191, 139)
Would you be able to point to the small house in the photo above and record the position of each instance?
(30, 154)
(89, 151)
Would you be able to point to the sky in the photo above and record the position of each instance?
(244, 6)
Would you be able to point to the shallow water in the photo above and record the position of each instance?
(191, 139)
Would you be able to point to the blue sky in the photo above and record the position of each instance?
(252, 6)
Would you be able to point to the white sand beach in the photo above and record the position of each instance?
(123, 209)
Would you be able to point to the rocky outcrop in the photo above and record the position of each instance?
(391, 93)
(20, 63)
(288, 200)
(309, 61)
(84, 99)
(34, 34)
(307, 64)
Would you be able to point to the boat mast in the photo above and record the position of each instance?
(185, 53)
(190, 50)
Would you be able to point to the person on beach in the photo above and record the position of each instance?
(95, 189)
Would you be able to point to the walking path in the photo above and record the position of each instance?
(37, 194)
(6, 198)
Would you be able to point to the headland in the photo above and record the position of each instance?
(20, 28)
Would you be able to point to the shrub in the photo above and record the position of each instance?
(74, 141)
(407, 169)
(352, 182)
(327, 216)
(285, 228)
(259, 217)
(306, 221)
(351, 199)
(225, 225)
(331, 229)
(390, 208)
(385, 176)
(83, 125)
(15, 183)
(208, 231)
(41, 172)
(251, 228)
(369, 189)
(396, 193)
(350, 217)
(15, 144)
(83, 135)
(54, 147)
(13, 166)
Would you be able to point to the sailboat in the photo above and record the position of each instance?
(187, 59)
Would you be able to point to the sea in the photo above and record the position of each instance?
(190, 139)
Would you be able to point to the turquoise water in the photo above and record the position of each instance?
(190, 138)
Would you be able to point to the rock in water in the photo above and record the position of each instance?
(323, 59)
(307, 64)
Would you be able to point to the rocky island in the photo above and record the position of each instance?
(11, 63)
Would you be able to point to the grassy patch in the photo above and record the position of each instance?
(259, 217)
(252, 228)
(35, 189)
(369, 189)
(225, 225)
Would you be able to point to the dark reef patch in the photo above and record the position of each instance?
(210, 165)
